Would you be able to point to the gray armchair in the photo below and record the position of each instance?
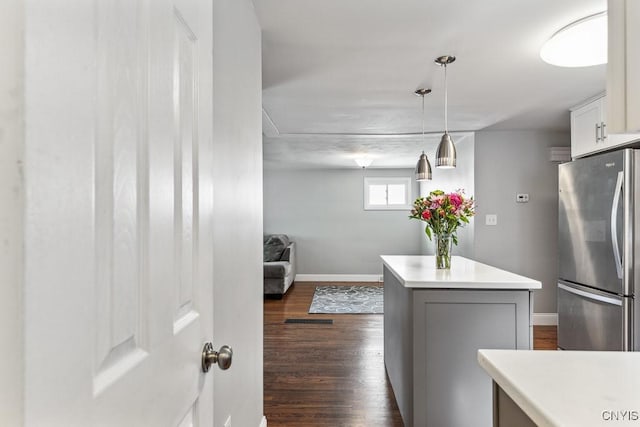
(279, 264)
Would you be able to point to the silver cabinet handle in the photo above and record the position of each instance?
(222, 357)
(614, 223)
(587, 295)
(602, 134)
(597, 132)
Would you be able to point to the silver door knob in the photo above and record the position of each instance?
(222, 357)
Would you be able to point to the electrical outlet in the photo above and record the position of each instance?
(228, 422)
(491, 219)
(522, 198)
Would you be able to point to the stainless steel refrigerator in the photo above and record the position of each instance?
(598, 278)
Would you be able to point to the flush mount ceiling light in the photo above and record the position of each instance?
(580, 44)
(446, 152)
(423, 167)
(363, 162)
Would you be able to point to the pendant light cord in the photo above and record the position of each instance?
(446, 129)
(423, 120)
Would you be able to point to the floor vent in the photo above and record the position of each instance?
(311, 321)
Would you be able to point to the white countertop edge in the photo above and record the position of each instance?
(533, 411)
(393, 271)
(504, 286)
(524, 284)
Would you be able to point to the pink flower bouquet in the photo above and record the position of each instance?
(443, 212)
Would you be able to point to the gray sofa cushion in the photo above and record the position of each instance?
(277, 269)
(273, 247)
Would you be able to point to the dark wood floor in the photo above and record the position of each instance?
(331, 375)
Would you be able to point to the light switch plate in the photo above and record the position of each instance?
(491, 219)
(522, 198)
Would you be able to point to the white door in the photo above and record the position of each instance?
(118, 278)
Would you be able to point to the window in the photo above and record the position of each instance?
(387, 193)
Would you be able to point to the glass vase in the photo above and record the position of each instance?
(443, 251)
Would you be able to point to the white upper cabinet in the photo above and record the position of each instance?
(603, 122)
(587, 125)
(590, 130)
(623, 67)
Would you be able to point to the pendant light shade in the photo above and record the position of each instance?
(423, 167)
(446, 152)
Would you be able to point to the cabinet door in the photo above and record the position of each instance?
(623, 66)
(612, 140)
(585, 128)
(633, 66)
(616, 67)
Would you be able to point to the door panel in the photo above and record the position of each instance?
(186, 209)
(119, 236)
(189, 418)
(120, 211)
(587, 190)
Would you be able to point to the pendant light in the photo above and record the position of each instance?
(423, 168)
(446, 152)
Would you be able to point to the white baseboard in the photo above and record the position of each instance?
(263, 423)
(545, 319)
(338, 278)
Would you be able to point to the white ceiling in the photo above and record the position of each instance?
(339, 75)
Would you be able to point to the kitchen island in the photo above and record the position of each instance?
(564, 388)
(435, 321)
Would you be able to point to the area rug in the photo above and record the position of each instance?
(347, 300)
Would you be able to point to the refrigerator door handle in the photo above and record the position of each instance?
(614, 223)
(595, 297)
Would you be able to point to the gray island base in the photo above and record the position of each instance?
(435, 321)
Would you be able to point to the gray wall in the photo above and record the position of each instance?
(525, 239)
(237, 205)
(322, 211)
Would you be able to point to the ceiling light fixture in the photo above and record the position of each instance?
(423, 167)
(363, 162)
(580, 44)
(446, 152)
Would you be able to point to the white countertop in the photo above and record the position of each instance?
(419, 271)
(568, 388)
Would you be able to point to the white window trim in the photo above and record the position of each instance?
(387, 181)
